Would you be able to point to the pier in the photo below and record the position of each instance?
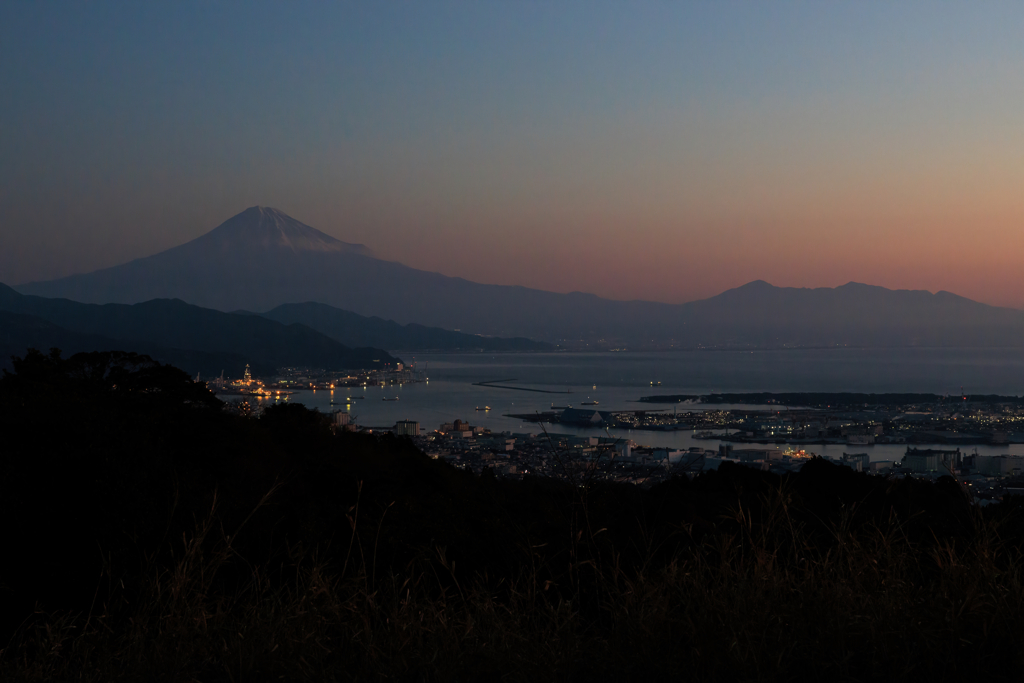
(493, 384)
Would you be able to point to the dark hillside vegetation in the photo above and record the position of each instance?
(152, 535)
(194, 338)
(19, 332)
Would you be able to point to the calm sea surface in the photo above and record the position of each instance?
(618, 380)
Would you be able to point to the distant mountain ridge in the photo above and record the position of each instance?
(194, 338)
(262, 259)
(353, 329)
(854, 314)
(19, 332)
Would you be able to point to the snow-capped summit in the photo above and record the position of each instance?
(263, 228)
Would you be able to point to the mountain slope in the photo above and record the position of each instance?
(853, 314)
(357, 330)
(262, 259)
(236, 266)
(162, 324)
(20, 332)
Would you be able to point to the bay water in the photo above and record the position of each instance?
(617, 380)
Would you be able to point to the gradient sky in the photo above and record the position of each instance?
(663, 150)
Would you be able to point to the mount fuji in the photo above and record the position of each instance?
(262, 258)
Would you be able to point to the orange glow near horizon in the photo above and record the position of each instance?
(693, 148)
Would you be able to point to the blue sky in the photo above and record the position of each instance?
(636, 150)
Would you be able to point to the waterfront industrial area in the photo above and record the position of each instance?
(292, 380)
(929, 420)
(542, 453)
(934, 436)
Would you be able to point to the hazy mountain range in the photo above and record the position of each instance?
(193, 338)
(357, 330)
(262, 259)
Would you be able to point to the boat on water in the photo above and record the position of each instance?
(389, 399)
(554, 407)
(589, 403)
(355, 397)
(483, 408)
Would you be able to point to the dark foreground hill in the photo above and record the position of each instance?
(150, 535)
(262, 258)
(357, 330)
(199, 339)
